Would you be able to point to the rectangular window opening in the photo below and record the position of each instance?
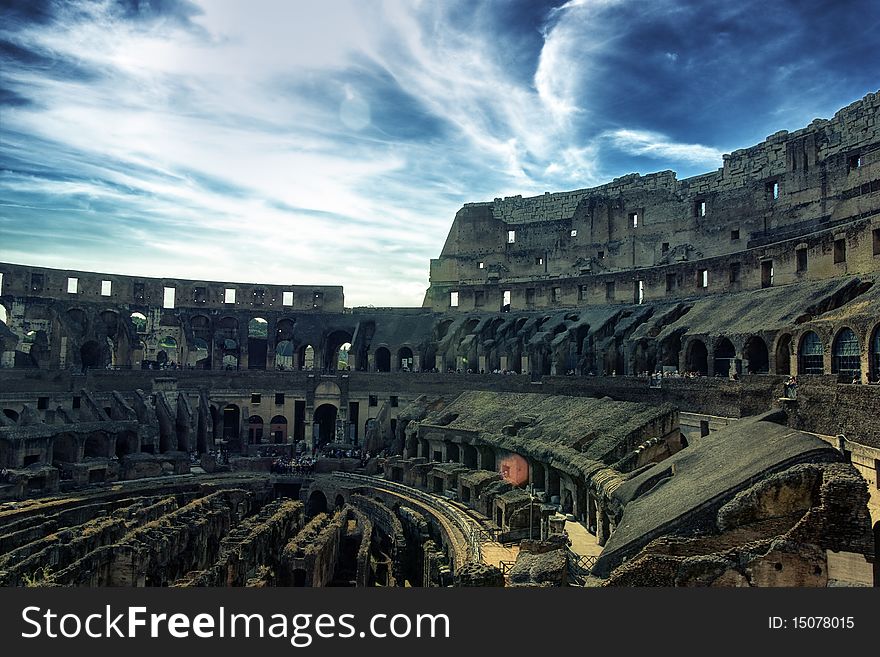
(36, 282)
(699, 208)
(573, 232)
(72, 285)
(639, 291)
(601, 255)
(876, 241)
(664, 248)
(482, 265)
(734, 235)
(394, 401)
(279, 398)
(609, 291)
(511, 236)
(453, 299)
(772, 189)
(583, 292)
(801, 260)
(505, 300)
(735, 270)
(287, 298)
(767, 273)
(106, 287)
(839, 251)
(168, 297)
(634, 219)
(229, 295)
(670, 282)
(374, 400)
(854, 162)
(556, 294)
(703, 278)
(539, 261)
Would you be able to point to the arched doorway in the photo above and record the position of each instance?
(337, 346)
(307, 357)
(65, 448)
(139, 321)
(92, 356)
(755, 352)
(783, 354)
(231, 419)
(126, 443)
(846, 356)
(697, 359)
(278, 429)
(317, 503)
(324, 427)
(258, 334)
(168, 352)
(199, 355)
(255, 429)
(405, 359)
(724, 356)
(383, 360)
(811, 354)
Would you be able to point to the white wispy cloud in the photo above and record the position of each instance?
(654, 145)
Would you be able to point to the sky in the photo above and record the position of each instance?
(332, 142)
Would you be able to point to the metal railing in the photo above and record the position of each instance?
(579, 566)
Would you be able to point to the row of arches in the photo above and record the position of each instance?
(846, 355)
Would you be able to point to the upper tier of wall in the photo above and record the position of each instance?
(792, 185)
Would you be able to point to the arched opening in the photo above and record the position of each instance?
(755, 352)
(845, 355)
(139, 321)
(405, 359)
(644, 358)
(255, 429)
(383, 360)
(452, 453)
(65, 448)
(538, 475)
(231, 419)
(126, 443)
(91, 356)
(167, 355)
(874, 356)
(96, 446)
(324, 426)
(317, 503)
(697, 359)
(284, 355)
(469, 456)
(199, 354)
(278, 429)
(487, 459)
(258, 334)
(338, 344)
(12, 415)
(783, 354)
(339, 502)
(724, 357)
(299, 578)
(811, 354)
(307, 357)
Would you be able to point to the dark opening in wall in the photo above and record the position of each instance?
(772, 189)
(583, 292)
(279, 398)
(703, 278)
(699, 208)
(601, 255)
(766, 273)
(876, 240)
(374, 400)
(76, 402)
(670, 282)
(634, 219)
(479, 298)
(30, 459)
(854, 162)
(735, 271)
(801, 260)
(664, 248)
(138, 292)
(42, 403)
(839, 251)
(530, 296)
(609, 291)
(734, 235)
(556, 294)
(37, 282)
(256, 397)
(394, 401)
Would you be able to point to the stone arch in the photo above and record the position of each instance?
(65, 448)
(278, 429)
(339, 502)
(846, 355)
(307, 357)
(469, 456)
(697, 357)
(126, 443)
(324, 424)
(874, 356)
(317, 503)
(756, 353)
(257, 343)
(284, 355)
(383, 359)
(811, 354)
(255, 430)
(168, 353)
(724, 356)
(333, 353)
(97, 445)
(783, 354)
(405, 360)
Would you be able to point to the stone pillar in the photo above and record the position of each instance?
(371, 362)
(482, 363)
(417, 363)
(525, 365)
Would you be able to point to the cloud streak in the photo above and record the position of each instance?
(333, 142)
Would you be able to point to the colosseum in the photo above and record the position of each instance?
(652, 382)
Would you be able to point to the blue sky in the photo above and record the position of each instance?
(332, 142)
